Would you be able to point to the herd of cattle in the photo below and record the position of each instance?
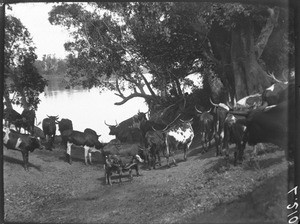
(259, 118)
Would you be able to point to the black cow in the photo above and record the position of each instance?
(65, 124)
(49, 129)
(87, 139)
(272, 124)
(28, 117)
(39, 133)
(219, 112)
(123, 131)
(206, 123)
(65, 127)
(22, 142)
(234, 133)
(13, 117)
(119, 164)
(155, 143)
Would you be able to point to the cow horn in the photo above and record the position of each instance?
(209, 110)
(241, 113)
(116, 123)
(199, 111)
(153, 128)
(271, 75)
(109, 124)
(213, 103)
(190, 120)
(230, 107)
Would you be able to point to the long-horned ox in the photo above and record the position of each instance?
(178, 134)
(206, 123)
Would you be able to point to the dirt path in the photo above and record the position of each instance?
(199, 190)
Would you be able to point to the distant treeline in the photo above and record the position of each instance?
(50, 65)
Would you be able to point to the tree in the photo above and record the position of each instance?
(21, 76)
(107, 46)
(227, 42)
(240, 41)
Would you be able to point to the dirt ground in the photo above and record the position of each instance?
(200, 190)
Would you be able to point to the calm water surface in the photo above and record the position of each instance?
(87, 109)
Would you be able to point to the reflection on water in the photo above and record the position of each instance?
(87, 108)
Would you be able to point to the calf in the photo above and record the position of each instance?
(119, 164)
(87, 139)
(21, 142)
(178, 136)
(49, 129)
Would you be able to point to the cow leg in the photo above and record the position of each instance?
(137, 170)
(217, 144)
(130, 174)
(90, 157)
(158, 157)
(86, 151)
(25, 159)
(120, 175)
(108, 176)
(68, 153)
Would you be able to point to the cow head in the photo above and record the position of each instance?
(54, 118)
(114, 130)
(35, 143)
(220, 106)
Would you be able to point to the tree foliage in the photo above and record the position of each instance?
(229, 43)
(21, 76)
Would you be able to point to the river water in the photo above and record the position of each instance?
(87, 108)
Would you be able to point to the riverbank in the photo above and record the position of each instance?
(200, 190)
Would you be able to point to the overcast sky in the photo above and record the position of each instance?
(48, 39)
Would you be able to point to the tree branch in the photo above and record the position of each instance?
(266, 31)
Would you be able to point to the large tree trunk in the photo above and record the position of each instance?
(249, 76)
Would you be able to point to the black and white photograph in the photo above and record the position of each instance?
(150, 112)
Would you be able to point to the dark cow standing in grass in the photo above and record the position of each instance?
(126, 130)
(65, 127)
(219, 112)
(206, 123)
(49, 129)
(12, 117)
(22, 142)
(88, 140)
(28, 117)
(178, 136)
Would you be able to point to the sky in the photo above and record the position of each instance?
(49, 39)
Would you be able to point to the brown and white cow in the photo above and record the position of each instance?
(87, 139)
(179, 135)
